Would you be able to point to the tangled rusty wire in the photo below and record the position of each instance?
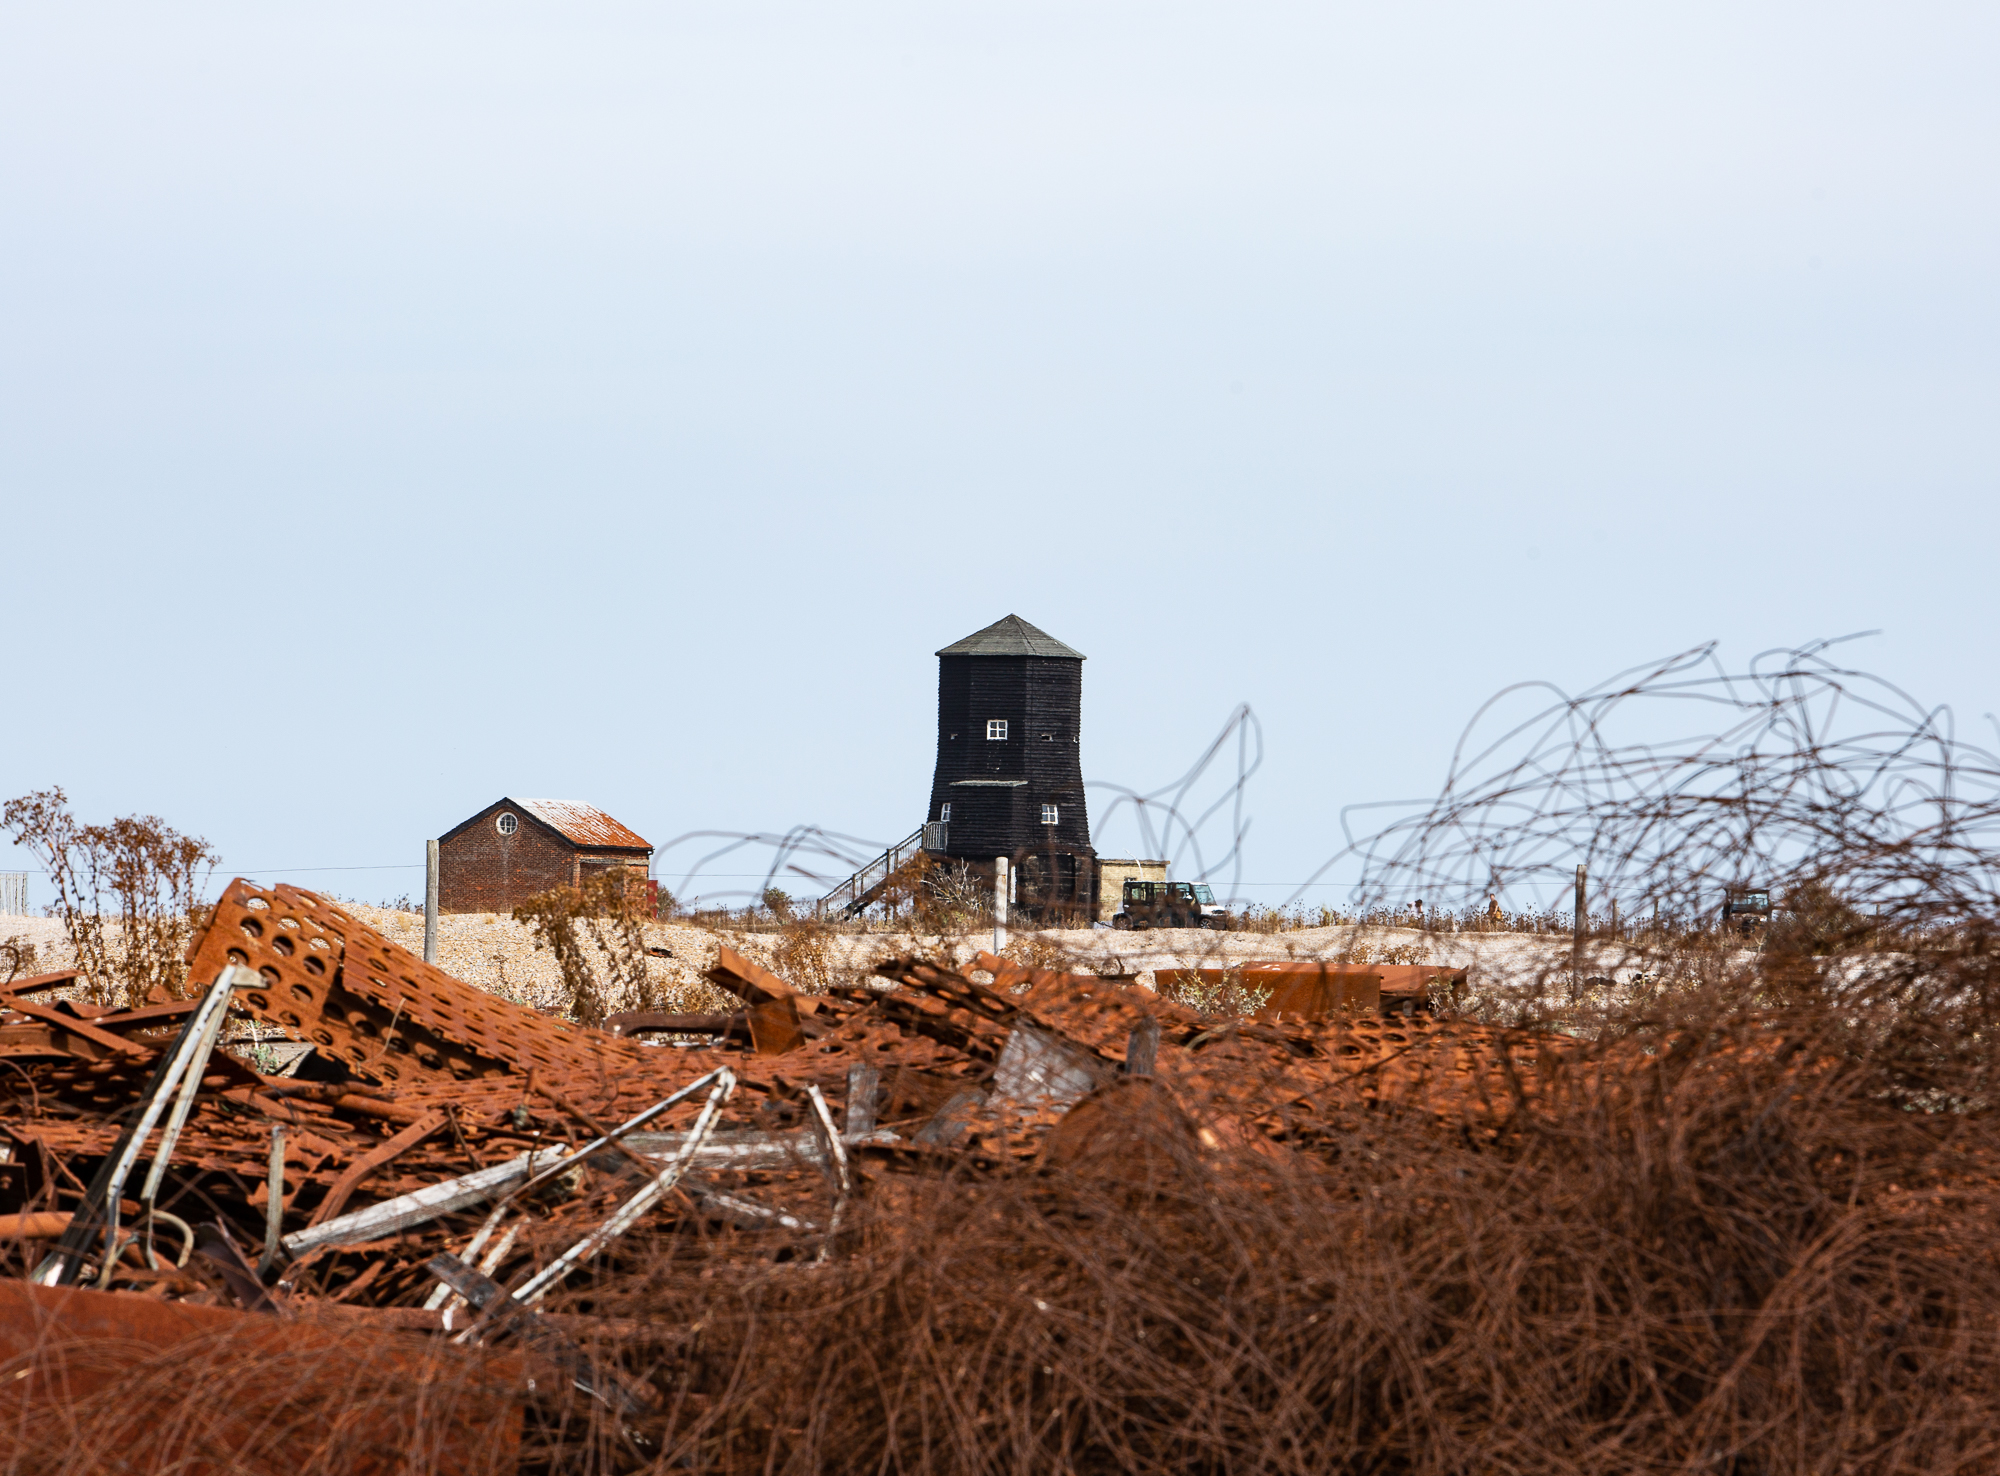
(1674, 782)
(1197, 822)
(1736, 1258)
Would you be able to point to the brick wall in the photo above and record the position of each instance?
(481, 870)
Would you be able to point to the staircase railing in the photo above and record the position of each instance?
(866, 884)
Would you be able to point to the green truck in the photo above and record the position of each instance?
(1151, 904)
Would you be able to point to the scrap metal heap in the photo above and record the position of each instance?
(441, 1155)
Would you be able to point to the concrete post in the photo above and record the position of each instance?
(1576, 937)
(274, 1207)
(430, 901)
(1002, 885)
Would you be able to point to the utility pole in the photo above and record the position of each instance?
(1001, 886)
(430, 901)
(1576, 937)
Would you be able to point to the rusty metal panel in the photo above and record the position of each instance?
(774, 1027)
(1306, 989)
(335, 982)
(61, 1344)
(750, 981)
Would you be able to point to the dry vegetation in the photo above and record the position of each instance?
(1739, 1257)
(1758, 1244)
(128, 893)
(1743, 1228)
(608, 908)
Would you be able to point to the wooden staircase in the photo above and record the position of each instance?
(867, 884)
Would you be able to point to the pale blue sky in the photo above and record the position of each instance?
(401, 405)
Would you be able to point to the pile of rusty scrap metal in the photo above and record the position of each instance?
(439, 1157)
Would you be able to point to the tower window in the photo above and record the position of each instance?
(508, 823)
(1048, 814)
(944, 814)
(996, 727)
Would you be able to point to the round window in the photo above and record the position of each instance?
(508, 823)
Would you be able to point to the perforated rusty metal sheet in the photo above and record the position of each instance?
(332, 980)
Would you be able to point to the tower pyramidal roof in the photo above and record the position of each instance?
(1011, 636)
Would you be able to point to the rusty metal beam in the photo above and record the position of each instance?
(343, 1187)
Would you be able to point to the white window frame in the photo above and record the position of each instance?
(1050, 815)
(944, 814)
(996, 730)
(506, 822)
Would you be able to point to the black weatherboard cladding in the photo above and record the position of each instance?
(997, 787)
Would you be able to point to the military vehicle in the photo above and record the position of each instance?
(1150, 904)
(1746, 908)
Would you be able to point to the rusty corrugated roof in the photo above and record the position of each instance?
(585, 824)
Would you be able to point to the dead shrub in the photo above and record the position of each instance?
(805, 955)
(943, 897)
(260, 1398)
(609, 906)
(1363, 952)
(1228, 998)
(17, 957)
(1257, 918)
(139, 871)
(1040, 951)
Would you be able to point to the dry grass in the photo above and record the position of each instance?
(1731, 1238)
(1728, 1239)
(1717, 1264)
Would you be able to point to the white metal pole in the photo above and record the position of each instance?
(430, 901)
(1000, 889)
(274, 1207)
(1576, 937)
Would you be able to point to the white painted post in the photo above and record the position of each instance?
(1002, 884)
(274, 1208)
(430, 901)
(1576, 936)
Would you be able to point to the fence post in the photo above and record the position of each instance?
(1001, 882)
(430, 901)
(274, 1207)
(1576, 938)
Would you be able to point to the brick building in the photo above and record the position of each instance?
(515, 848)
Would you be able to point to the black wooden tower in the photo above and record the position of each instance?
(1009, 778)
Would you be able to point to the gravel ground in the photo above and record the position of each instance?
(44, 935)
(497, 954)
